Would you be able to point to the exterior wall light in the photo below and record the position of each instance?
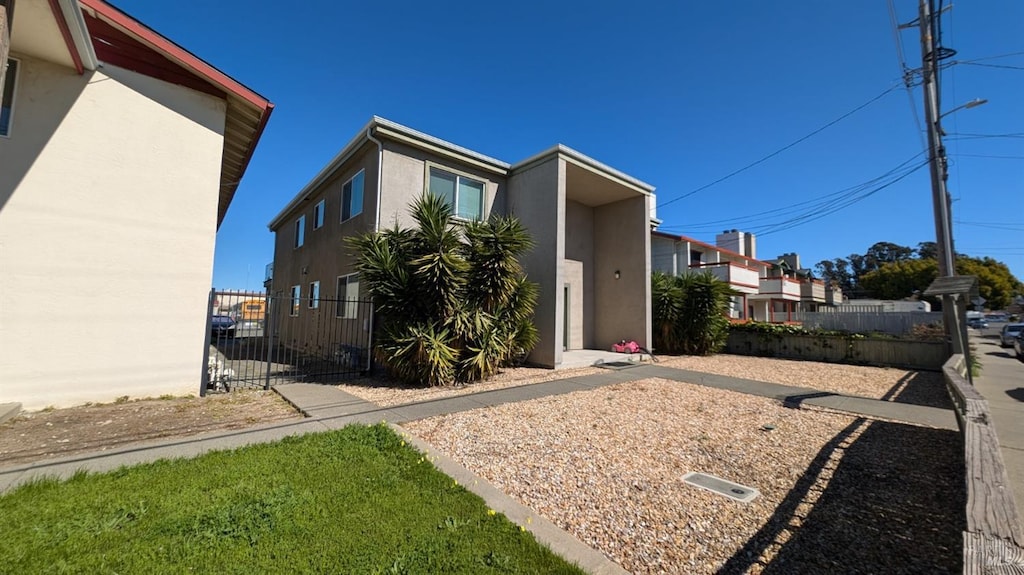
(617, 274)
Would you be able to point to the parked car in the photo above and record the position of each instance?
(977, 323)
(222, 326)
(1018, 346)
(1009, 333)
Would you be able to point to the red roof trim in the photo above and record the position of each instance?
(175, 52)
(58, 15)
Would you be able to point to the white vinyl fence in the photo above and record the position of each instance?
(891, 322)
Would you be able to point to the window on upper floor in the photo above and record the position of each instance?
(348, 296)
(318, 215)
(7, 98)
(352, 197)
(464, 195)
(300, 231)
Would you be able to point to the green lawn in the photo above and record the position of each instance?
(357, 500)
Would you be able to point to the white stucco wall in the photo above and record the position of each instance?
(108, 203)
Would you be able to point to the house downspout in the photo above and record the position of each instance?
(376, 228)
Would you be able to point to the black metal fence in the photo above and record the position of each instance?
(257, 340)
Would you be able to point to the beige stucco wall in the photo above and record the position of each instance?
(536, 195)
(573, 271)
(404, 180)
(622, 241)
(108, 195)
(579, 246)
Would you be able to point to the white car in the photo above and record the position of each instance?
(1009, 333)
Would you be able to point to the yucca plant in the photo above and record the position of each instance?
(689, 312)
(452, 300)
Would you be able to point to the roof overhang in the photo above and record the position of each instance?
(954, 286)
(122, 41)
(679, 238)
(587, 163)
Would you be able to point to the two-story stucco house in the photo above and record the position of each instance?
(120, 153)
(591, 224)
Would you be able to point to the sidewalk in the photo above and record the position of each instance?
(1002, 384)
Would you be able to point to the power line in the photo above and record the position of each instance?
(782, 149)
(991, 65)
(972, 60)
(989, 156)
(908, 73)
(828, 202)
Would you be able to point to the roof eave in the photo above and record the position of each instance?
(586, 161)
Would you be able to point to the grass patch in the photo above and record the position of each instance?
(356, 500)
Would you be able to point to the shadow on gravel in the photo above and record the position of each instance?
(878, 498)
(925, 388)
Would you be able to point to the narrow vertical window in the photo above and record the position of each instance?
(300, 231)
(352, 197)
(314, 295)
(296, 299)
(318, 215)
(7, 98)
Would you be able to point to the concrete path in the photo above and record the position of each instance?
(1002, 384)
(9, 410)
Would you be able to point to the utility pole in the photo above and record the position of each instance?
(941, 204)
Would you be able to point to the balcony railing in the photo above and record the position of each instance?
(778, 288)
(812, 291)
(738, 276)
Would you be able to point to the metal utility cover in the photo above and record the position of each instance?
(617, 364)
(740, 493)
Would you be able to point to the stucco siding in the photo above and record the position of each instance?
(109, 188)
(663, 255)
(622, 242)
(579, 246)
(536, 195)
(404, 180)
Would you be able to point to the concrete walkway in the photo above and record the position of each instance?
(327, 407)
(1002, 384)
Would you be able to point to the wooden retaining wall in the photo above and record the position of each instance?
(994, 540)
(837, 349)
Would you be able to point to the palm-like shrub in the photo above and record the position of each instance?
(690, 312)
(451, 299)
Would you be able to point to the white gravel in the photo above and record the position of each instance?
(607, 465)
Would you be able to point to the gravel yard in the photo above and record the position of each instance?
(917, 387)
(891, 384)
(840, 494)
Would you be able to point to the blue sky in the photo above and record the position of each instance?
(678, 94)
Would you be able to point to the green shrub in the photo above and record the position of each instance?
(452, 300)
(689, 312)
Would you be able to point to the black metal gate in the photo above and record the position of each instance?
(257, 340)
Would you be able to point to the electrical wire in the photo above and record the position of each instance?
(805, 208)
(991, 65)
(782, 149)
(908, 73)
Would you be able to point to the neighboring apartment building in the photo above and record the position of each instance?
(732, 260)
(120, 153)
(591, 224)
(771, 291)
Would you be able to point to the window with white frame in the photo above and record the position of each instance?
(314, 295)
(296, 299)
(7, 98)
(300, 231)
(348, 296)
(318, 215)
(352, 197)
(464, 195)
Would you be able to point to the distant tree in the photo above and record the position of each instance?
(836, 272)
(883, 253)
(995, 282)
(899, 280)
(927, 251)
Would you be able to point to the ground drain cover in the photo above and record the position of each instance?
(617, 364)
(718, 485)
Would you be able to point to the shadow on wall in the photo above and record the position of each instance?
(879, 497)
(45, 94)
